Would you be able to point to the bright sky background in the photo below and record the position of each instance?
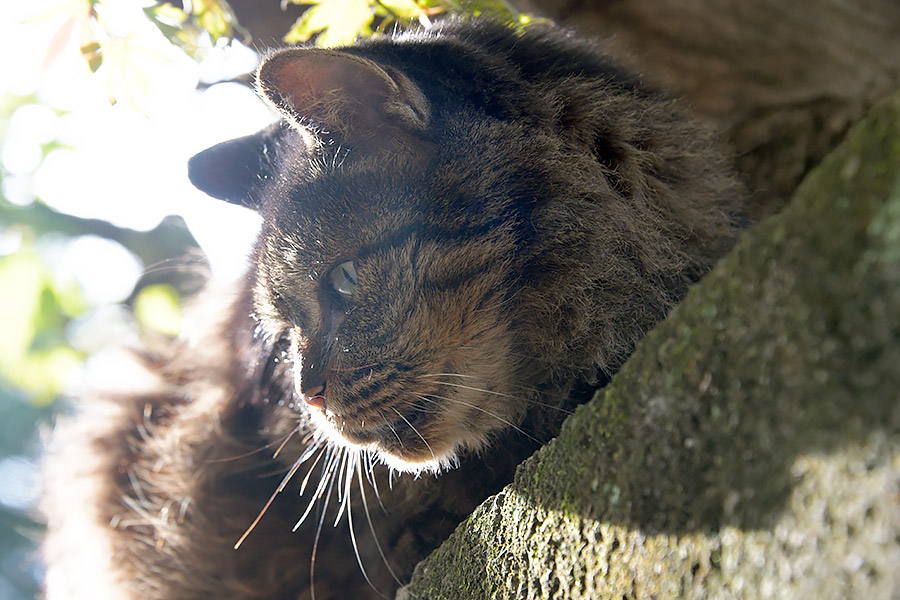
(123, 162)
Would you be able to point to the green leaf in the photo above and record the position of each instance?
(215, 17)
(338, 22)
(403, 9)
(33, 354)
(70, 300)
(158, 308)
(45, 374)
(501, 10)
(189, 31)
(91, 53)
(167, 13)
(169, 20)
(23, 277)
(311, 22)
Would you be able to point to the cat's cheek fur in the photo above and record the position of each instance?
(471, 397)
(475, 393)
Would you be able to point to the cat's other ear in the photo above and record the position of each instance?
(345, 98)
(235, 170)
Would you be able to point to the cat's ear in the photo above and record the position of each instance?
(345, 98)
(235, 170)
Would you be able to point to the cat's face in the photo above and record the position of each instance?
(398, 320)
(448, 235)
(392, 279)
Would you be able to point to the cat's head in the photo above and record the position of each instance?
(384, 258)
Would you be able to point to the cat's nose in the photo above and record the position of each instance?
(314, 396)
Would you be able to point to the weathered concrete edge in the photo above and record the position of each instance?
(454, 570)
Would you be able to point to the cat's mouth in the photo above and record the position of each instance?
(417, 439)
(415, 419)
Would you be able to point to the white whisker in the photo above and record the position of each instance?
(394, 431)
(353, 465)
(309, 473)
(312, 560)
(303, 457)
(343, 496)
(480, 409)
(416, 431)
(475, 389)
(370, 475)
(486, 391)
(437, 411)
(327, 476)
(286, 440)
(365, 504)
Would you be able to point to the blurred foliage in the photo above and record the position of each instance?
(34, 353)
(207, 20)
(329, 22)
(339, 22)
(158, 308)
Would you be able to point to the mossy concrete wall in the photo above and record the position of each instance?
(751, 446)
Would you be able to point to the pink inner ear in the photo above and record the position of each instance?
(328, 90)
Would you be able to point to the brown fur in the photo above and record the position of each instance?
(518, 211)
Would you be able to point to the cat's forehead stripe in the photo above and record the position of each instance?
(462, 233)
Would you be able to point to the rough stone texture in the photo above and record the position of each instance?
(751, 446)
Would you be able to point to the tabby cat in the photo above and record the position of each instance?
(465, 231)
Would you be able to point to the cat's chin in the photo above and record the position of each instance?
(434, 459)
(439, 455)
(434, 465)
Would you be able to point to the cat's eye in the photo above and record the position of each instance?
(343, 279)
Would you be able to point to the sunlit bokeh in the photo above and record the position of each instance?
(105, 141)
(122, 161)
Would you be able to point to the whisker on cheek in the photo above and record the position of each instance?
(352, 369)
(488, 413)
(394, 431)
(416, 431)
(436, 410)
(530, 389)
(550, 362)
